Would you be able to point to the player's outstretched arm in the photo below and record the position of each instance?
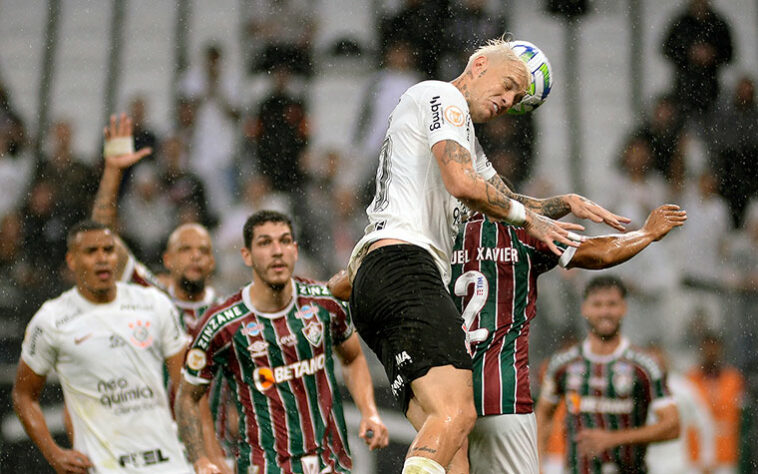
(188, 418)
(339, 285)
(118, 154)
(593, 442)
(558, 206)
(26, 392)
(462, 181)
(358, 381)
(608, 250)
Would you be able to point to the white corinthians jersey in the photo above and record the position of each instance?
(411, 202)
(109, 358)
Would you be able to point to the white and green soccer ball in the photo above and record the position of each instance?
(541, 80)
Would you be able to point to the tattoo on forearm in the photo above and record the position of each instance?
(554, 207)
(190, 428)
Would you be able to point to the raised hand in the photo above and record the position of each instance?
(550, 231)
(583, 208)
(663, 219)
(121, 128)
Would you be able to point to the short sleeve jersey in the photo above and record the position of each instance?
(494, 285)
(109, 359)
(613, 392)
(281, 371)
(411, 202)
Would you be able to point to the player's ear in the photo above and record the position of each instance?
(479, 64)
(70, 260)
(247, 256)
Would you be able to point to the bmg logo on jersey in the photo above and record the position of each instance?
(436, 113)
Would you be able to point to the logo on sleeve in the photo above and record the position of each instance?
(196, 359)
(436, 114)
(455, 116)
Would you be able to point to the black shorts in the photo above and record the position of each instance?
(405, 314)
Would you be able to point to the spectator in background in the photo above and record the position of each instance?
(44, 229)
(15, 173)
(396, 74)
(509, 143)
(281, 33)
(182, 187)
(664, 130)
(469, 25)
(698, 43)
(733, 138)
(72, 181)
(722, 387)
(144, 136)
(420, 23)
(213, 145)
(673, 457)
(281, 134)
(147, 215)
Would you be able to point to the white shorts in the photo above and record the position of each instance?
(504, 444)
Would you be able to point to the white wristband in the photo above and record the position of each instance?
(517, 213)
(118, 146)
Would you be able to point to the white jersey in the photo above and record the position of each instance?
(411, 202)
(109, 359)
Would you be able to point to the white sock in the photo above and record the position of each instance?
(419, 465)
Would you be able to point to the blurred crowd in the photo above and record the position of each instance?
(222, 159)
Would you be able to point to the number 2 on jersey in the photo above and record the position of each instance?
(474, 306)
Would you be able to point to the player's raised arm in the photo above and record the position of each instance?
(118, 154)
(558, 206)
(462, 181)
(358, 381)
(606, 251)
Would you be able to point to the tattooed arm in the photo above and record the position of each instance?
(558, 206)
(462, 181)
(188, 418)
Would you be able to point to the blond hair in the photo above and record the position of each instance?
(501, 49)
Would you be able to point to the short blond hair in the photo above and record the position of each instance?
(501, 48)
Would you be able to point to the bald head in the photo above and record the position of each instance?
(189, 259)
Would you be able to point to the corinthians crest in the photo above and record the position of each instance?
(141, 334)
(314, 331)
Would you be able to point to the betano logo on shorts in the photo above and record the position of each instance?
(265, 377)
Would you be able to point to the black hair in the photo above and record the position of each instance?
(260, 218)
(605, 281)
(82, 226)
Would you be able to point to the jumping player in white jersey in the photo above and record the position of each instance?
(431, 168)
(107, 342)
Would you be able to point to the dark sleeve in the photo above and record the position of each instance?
(676, 43)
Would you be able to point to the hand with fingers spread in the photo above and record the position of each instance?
(373, 432)
(583, 208)
(68, 461)
(663, 219)
(550, 231)
(118, 131)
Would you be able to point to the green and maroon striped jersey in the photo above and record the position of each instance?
(494, 284)
(280, 368)
(190, 314)
(612, 392)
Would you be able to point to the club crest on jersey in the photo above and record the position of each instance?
(622, 379)
(141, 334)
(258, 348)
(454, 115)
(314, 332)
(307, 312)
(252, 329)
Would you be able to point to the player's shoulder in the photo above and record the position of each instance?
(563, 358)
(644, 361)
(219, 315)
(223, 304)
(58, 310)
(426, 90)
(134, 292)
(309, 291)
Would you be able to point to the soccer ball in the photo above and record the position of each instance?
(542, 77)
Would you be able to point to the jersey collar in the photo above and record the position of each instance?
(287, 309)
(604, 359)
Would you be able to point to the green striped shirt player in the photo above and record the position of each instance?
(610, 392)
(281, 371)
(495, 268)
